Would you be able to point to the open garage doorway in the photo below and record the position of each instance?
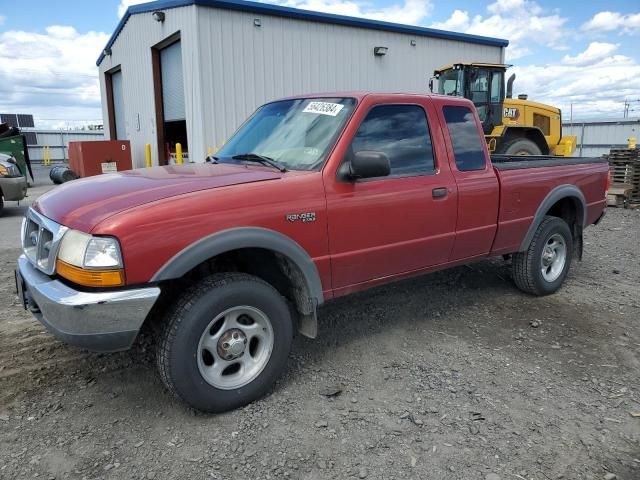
(168, 84)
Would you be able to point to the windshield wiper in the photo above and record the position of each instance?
(254, 157)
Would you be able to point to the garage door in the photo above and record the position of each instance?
(172, 83)
(118, 105)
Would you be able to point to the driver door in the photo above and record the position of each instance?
(386, 226)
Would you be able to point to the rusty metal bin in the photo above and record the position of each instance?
(102, 156)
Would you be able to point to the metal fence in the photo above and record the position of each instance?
(597, 137)
(56, 142)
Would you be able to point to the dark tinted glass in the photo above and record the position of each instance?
(468, 147)
(401, 132)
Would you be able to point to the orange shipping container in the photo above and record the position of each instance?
(104, 156)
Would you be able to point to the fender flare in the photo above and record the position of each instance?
(243, 237)
(555, 195)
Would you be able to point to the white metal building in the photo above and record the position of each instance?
(193, 70)
(597, 137)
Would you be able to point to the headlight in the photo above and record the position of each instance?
(9, 170)
(90, 261)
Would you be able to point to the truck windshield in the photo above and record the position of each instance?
(450, 83)
(297, 134)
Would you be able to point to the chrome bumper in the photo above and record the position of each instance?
(99, 321)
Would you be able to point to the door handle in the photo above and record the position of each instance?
(439, 192)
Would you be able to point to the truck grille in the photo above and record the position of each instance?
(41, 240)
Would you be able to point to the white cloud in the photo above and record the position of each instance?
(522, 22)
(596, 81)
(595, 51)
(412, 12)
(52, 74)
(124, 4)
(613, 21)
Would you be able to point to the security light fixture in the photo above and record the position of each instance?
(413, 43)
(257, 22)
(158, 16)
(106, 52)
(380, 51)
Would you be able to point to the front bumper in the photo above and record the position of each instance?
(98, 321)
(13, 188)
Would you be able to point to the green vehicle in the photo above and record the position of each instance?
(13, 184)
(14, 144)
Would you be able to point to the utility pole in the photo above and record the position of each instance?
(571, 114)
(627, 107)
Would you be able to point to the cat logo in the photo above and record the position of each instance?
(511, 113)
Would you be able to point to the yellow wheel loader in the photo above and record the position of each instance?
(511, 126)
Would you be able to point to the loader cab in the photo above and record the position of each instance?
(482, 83)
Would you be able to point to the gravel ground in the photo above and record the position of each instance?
(456, 375)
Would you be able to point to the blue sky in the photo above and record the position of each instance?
(584, 53)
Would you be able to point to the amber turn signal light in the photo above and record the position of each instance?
(90, 278)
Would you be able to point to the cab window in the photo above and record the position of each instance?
(468, 145)
(401, 132)
(496, 86)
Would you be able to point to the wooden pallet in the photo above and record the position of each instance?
(624, 166)
(618, 195)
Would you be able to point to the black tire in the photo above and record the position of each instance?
(1, 203)
(527, 266)
(519, 146)
(187, 320)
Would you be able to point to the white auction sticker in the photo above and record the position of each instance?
(324, 108)
(109, 167)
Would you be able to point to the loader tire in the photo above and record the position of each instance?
(519, 146)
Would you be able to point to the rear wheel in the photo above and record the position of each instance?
(519, 146)
(542, 268)
(225, 342)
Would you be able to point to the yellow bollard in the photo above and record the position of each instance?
(147, 154)
(632, 142)
(179, 153)
(46, 155)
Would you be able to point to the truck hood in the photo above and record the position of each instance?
(82, 204)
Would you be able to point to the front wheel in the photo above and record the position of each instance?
(541, 269)
(225, 342)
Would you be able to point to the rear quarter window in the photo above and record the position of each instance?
(468, 146)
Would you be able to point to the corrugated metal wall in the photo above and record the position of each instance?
(596, 138)
(58, 142)
(232, 66)
(132, 52)
(244, 66)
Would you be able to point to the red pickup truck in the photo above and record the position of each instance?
(313, 198)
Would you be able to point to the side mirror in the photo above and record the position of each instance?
(369, 164)
(431, 84)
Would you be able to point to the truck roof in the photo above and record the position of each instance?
(387, 96)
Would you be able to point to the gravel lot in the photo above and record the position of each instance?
(456, 375)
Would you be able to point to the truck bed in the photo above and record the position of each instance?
(518, 162)
(525, 181)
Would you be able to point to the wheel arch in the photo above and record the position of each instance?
(530, 133)
(566, 202)
(267, 246)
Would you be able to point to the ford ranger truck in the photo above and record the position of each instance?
(314, 197)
